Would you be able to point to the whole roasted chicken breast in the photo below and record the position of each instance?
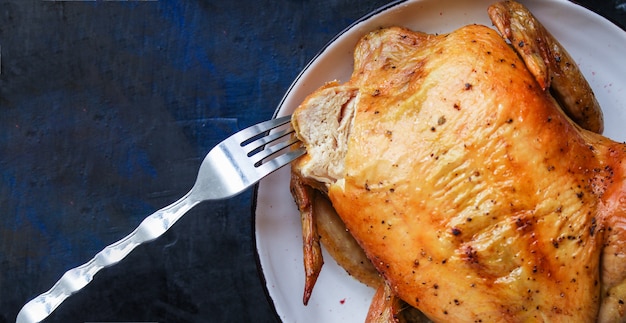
(475, 197)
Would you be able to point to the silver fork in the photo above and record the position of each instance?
(230, 168)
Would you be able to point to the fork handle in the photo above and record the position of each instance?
(75, 279)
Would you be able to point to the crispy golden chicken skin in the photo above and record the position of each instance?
(475, 197)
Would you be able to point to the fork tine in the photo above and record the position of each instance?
(245, 135)
(270, 150)
(259, 143)
(280, 161)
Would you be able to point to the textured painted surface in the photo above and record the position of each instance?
(106, 110)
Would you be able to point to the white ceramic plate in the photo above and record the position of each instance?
(596, 44)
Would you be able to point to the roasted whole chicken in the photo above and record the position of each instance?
(465, 177)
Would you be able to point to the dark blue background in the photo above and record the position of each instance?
(106, 110)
